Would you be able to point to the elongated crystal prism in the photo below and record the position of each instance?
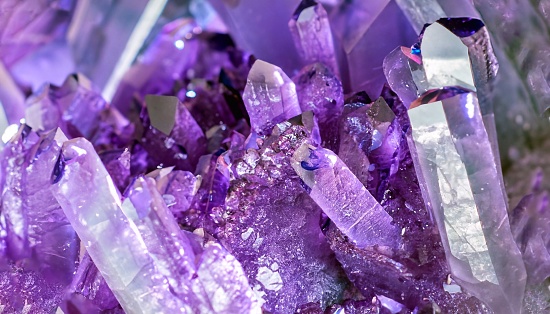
(269, 96)
(312, 36)
(461, 185)
(113, 240)
(343, 198)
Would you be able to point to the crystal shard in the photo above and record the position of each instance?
(269, 96)
(320, 91)
(357, 25)
(226, 282)
(179, 142)
(38, 246)
(89, 292)
(369, 138)
(112, 239)
(312, 36)
(343, 198)
(462, 189)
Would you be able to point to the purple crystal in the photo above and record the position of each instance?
(343, 198)
(369, 138)
(269, 96)
(178, 188)
(117, 164)
(171, 136)
(279, 243)
(28, 25)
(312, 36)
(39, 243)
(320, 91)
(89, 292)
(463, 191)
(359, 24)
(530, 222)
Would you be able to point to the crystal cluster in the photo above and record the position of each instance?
(261, 157)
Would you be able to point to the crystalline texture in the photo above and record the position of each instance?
(38, 246)
(269, 97)
(279, 243)
(172, 137)
(357, 25)
(312, 36)
(368, 136)
(463, 190)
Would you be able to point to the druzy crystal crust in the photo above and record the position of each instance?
(257, 156)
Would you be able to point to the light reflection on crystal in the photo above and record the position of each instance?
(463, 190)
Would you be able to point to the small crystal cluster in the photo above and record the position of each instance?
(344, 179)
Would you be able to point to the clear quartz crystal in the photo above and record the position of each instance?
(343, 198)
(462, 186)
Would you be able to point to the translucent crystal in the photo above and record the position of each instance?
(269, 96)
(321, 92)
(343, 198)
(464, 192)
(445, 59)
(312, 36)
(111, 238)
(244, 17)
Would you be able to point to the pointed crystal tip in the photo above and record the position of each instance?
(162, 112)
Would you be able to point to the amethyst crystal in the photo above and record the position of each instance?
(369, 137)
(343, 198)
(279, 243)
(320, 91)
(38, 244)
(269, 96)
(171, 136)
(89, 293)
(312, 36)
(530, 222)
(111, 238)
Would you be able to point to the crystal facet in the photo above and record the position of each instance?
(312, 36)
(269, 96)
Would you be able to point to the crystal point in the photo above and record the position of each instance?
(343, 198)
(112, 239)
(269, 96)
(463, 190)
(312, 35)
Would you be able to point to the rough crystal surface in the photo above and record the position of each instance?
(279, 243)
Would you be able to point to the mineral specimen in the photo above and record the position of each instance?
(271, 225)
